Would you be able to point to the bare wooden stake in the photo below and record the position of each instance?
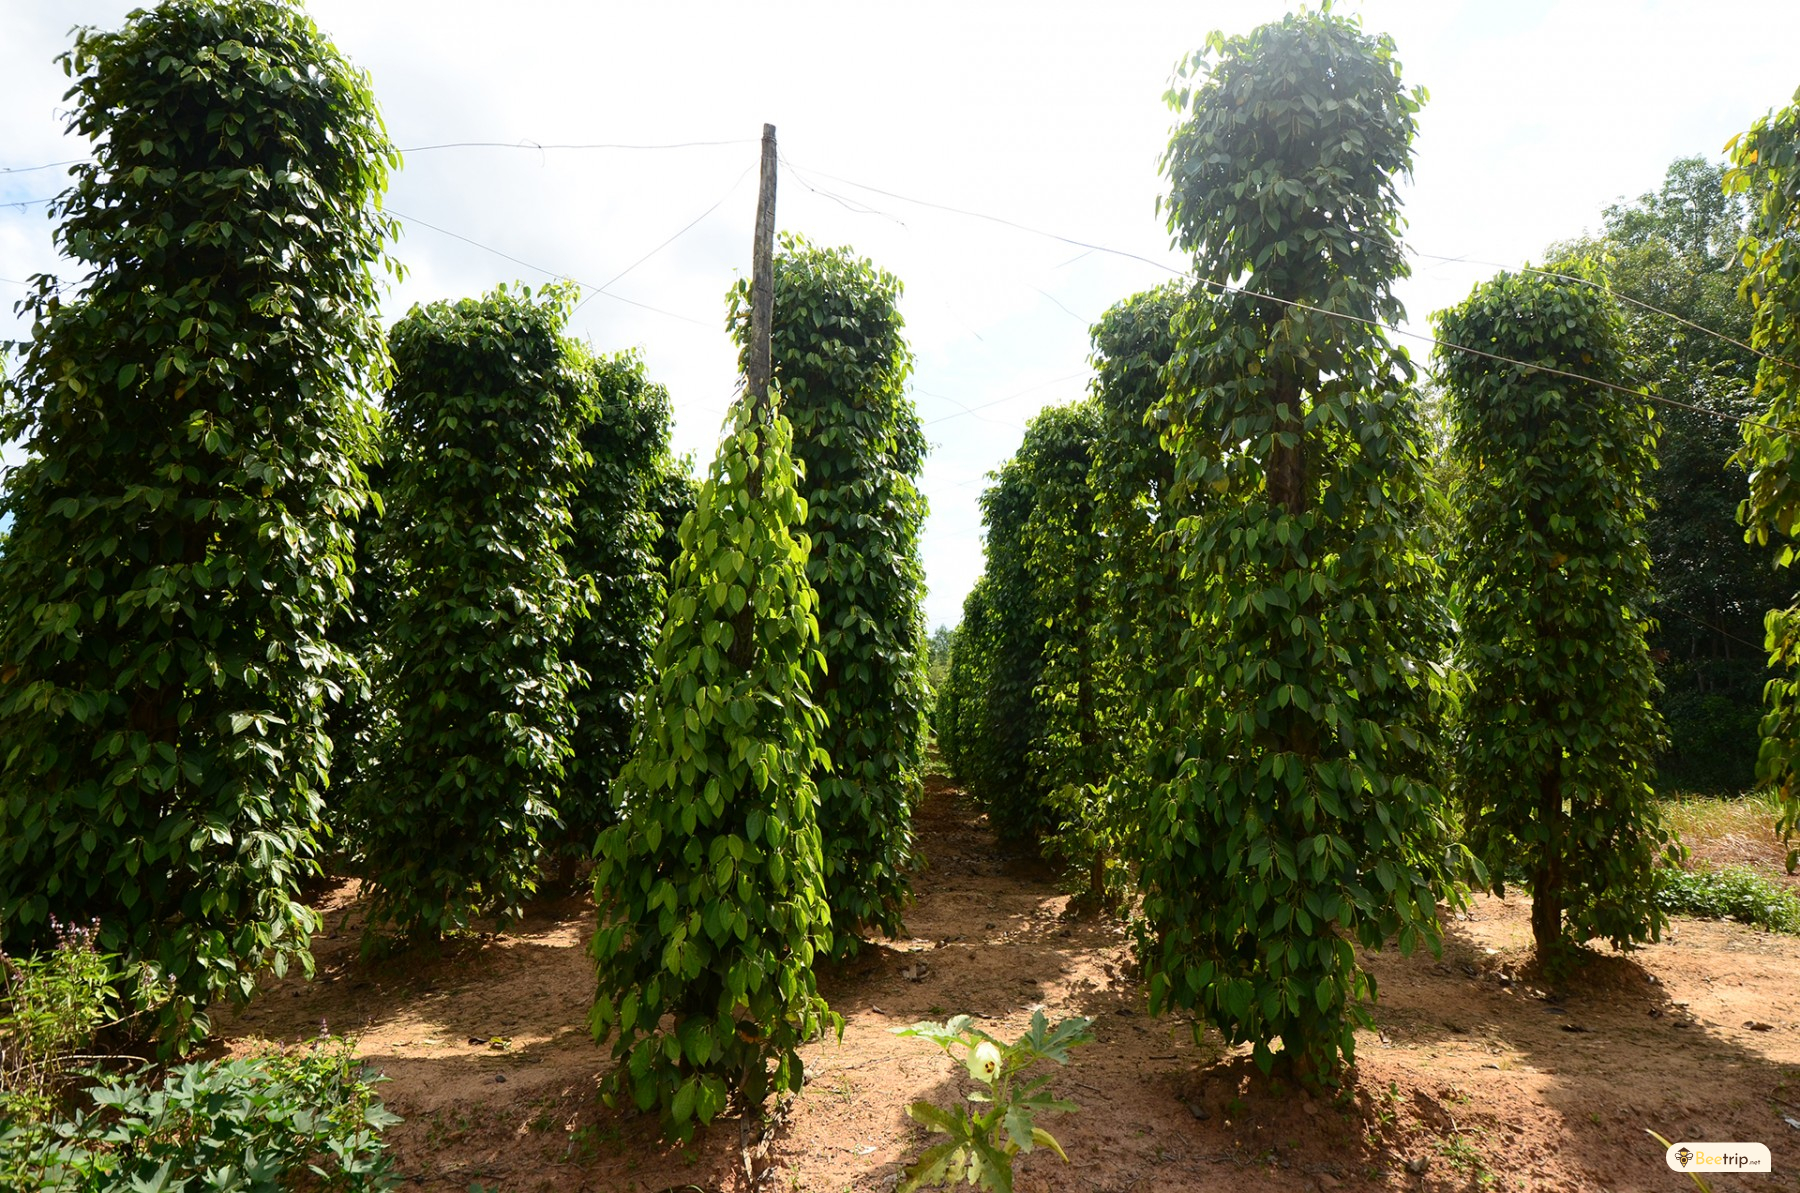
(762, 278)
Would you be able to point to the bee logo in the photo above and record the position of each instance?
(1684, 1156)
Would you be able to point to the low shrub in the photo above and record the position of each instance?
(305, 1119)
(1733, 892)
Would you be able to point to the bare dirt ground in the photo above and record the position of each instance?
(1478, 1076)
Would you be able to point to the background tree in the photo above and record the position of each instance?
(1305, 818)
(1675, 249)
(712, 885)
(194, 439)
(937, 656)
(1558, 731)
(842, 364)
(612, 551)
(1766, 166)
(486, 409)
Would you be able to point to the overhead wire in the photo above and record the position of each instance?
(861, 208)
(590, 145)
(1228, 288)
(684, 230)
(999, 401)
(1624, 298)
(74, 161)
(1720, 630)
(526, 144)
(966, 409)
(1432, 256)
(1086, 245)
(413, 219)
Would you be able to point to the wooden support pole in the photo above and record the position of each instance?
(762, 279)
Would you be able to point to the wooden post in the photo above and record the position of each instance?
(761, 373)
(762, 279)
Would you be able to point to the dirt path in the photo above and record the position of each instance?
(1476, 1073)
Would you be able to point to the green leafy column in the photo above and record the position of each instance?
(1143, 608)
(194, 438)
(1558, 732)
(1766, 163)
(613, 548)
(712, 885)
(1005, 649)
(957, 713)
(485, 415)
(1304, 820)
(842, 364)
(1021, 710)
(1065, 559)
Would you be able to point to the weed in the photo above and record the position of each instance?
(843, 1088)
(982, 1145)
(1462, 1156)
(585, 1141)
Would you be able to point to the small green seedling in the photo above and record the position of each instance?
(982, 1143)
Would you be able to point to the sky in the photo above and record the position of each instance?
(1040, 124)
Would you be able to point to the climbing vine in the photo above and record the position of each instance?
(1766, 163)
(475, 678)
(1304, 820)
(1142, 612)
(1558, 731)
(712, 884)
(842, 364)
(194, 441)
(613, 550)
(1064, 559)
(957, 720)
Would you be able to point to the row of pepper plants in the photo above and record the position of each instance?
(475, 625)
(1235, 654)
(434, 605)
